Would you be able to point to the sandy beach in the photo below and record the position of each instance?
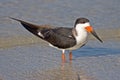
(30, 58)
(23, 56)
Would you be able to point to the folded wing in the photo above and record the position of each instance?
(59, 37)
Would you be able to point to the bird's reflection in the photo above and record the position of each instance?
(66, 71)
(66, 64)
(71, 72)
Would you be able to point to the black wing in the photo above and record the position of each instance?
(32, 27)
(59, 37)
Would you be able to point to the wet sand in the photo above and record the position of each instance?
(29, 58)
(26, 57)
(66, 73)
(96, 65)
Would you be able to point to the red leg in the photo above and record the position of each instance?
(63, 56)
(70, 56)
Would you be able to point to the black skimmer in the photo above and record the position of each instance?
(63, 38)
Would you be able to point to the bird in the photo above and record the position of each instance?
(63, 38)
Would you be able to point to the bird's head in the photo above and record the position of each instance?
(83, 23)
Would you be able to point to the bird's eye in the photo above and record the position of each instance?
(83, 22)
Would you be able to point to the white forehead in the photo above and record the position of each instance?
(82, 25)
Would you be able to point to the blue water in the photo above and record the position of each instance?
(16, 61)
(21, 60)
(103, 14)
(88, 51)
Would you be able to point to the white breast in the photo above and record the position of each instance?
(81, 37)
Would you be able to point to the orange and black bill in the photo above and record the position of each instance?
(92, 31)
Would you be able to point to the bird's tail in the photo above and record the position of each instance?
(32, 27)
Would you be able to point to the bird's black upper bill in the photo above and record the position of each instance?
(95, 35)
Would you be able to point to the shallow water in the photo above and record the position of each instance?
(18, 62)
(25, 57)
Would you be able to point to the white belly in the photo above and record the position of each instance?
(81, 40)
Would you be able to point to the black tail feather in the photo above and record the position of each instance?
(30, 27)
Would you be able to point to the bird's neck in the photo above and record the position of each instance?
(82, 35)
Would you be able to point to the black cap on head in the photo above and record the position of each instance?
(81, 20)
